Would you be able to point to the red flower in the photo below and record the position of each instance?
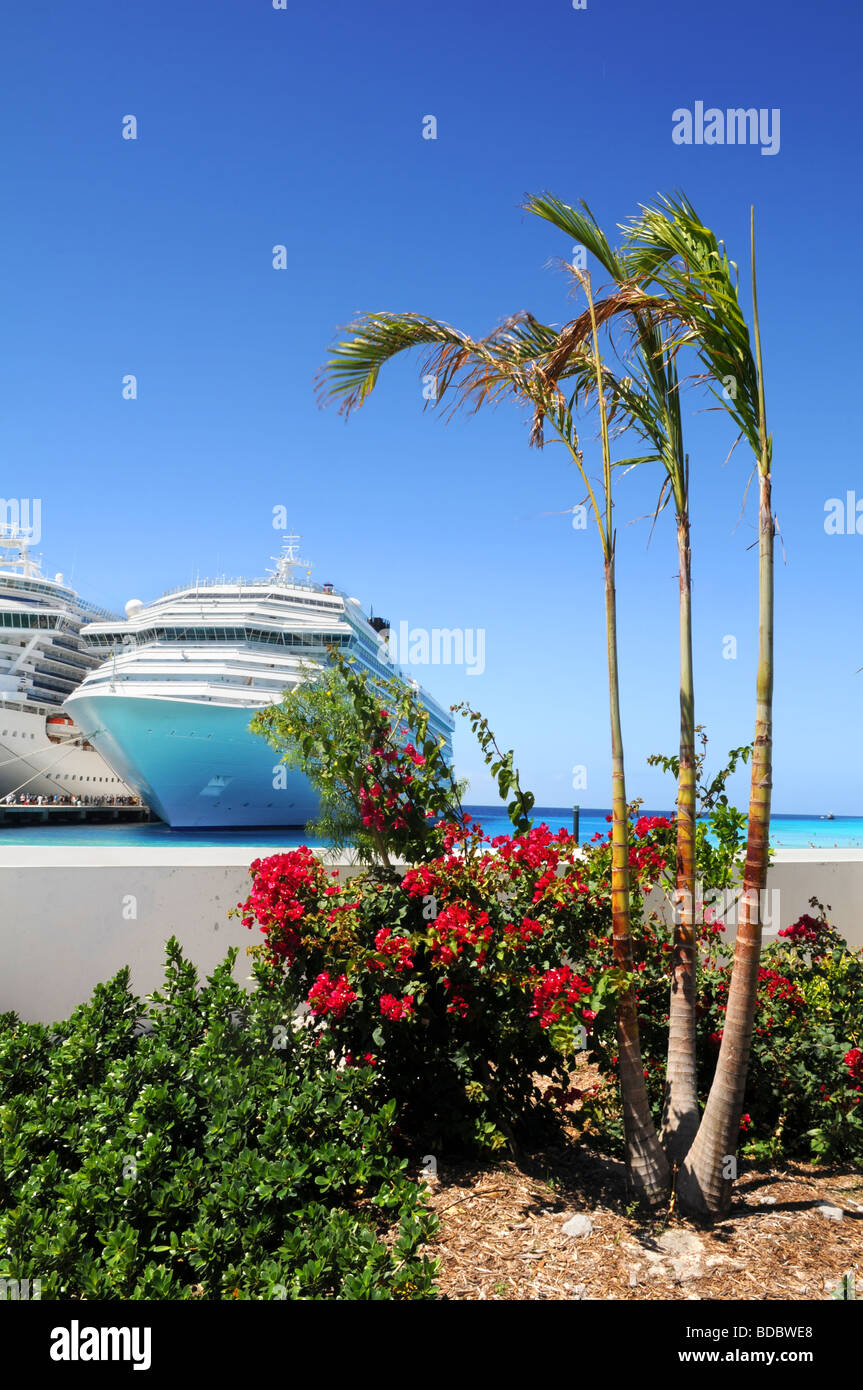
(396, 1009)
(398, 948)
(284, 888)
(806, 931)
(328, 996)
(779, 987)
(557, 993)
(421, 882)
(455, 927)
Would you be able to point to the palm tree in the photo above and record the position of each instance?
(510, 362)
(672, 249)
(652, 404)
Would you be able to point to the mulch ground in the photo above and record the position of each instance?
(501, 1234)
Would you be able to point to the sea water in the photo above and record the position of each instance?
(786, 831)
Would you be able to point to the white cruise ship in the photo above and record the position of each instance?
(182, 677)
(42, 660)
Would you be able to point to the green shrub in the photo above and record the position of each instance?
(211, 1152)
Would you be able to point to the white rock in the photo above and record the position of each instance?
(680, 1243)
(679, 1257)
(578, 1226)
(831, 1213)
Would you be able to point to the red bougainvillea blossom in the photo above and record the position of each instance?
(521, 935)
(328, 997)
(455, 927)
(806, 931)
(398, 948)
(396, 1009)
(556, 994)
(854, 1063)
(284, 888)
(779, 987)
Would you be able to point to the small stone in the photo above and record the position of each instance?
(578, 1226)
(768, 1201)
(580, 1290)
(831, 1213)
(680, 1243)
(685, 1251)
(633, 1279)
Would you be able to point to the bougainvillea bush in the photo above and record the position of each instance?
(452, 985)
(466, 985)
(209, 1152)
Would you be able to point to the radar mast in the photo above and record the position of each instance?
(288, 561)
(15, 552)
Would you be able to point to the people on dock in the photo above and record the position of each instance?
(28, 799)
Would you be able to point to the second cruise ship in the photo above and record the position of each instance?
(43, 756)
(180, 680)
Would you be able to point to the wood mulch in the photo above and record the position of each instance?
(501, 1233)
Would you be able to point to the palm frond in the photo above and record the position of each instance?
(669, 246)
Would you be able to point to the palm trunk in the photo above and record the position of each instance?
(680, 1116)
(704, 1186)
(645, 1160)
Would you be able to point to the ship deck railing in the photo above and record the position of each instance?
(256, 582)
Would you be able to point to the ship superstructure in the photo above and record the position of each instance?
(42, 661)
(181, 678)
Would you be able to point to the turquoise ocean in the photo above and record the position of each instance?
(786, 831)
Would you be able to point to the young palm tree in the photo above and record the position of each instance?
(671, 248)
(652, 404)
(509, 363)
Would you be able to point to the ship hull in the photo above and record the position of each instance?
(31, 764)
(195, 764)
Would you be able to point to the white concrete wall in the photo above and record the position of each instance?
(70, 918)
(834, 877)
(66, 917)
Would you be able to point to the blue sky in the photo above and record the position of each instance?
(303, 127)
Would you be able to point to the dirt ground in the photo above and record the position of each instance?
(502, 1234)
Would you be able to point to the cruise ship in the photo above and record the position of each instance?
(42, 660)
(182, 677)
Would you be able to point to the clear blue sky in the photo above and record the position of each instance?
(304, 127)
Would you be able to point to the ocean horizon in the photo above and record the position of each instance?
(787, 831)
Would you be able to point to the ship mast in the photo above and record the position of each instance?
(16, 545)
(288, 561)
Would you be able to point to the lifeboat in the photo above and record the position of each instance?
(58, 727)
